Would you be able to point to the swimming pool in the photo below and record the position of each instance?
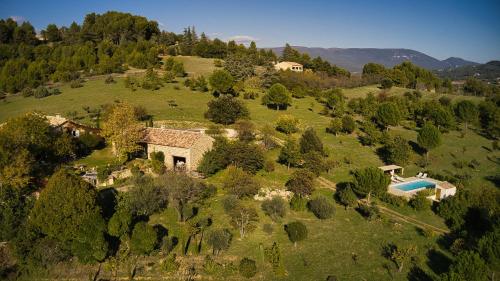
(418, 184)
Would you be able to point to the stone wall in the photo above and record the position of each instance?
(201, 146)
(169, 153)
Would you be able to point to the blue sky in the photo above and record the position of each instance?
(467, 29)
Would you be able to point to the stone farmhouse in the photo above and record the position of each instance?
(72, 128)
(183, 149)
(285, 65)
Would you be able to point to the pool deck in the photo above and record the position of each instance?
(408, 194)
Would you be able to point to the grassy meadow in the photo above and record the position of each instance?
(332, 244)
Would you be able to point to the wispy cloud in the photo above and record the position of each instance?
(243, 38)
(18, 19)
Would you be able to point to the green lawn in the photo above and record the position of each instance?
(197, 66)
(328, 249)
(191, 105)
(98, 158)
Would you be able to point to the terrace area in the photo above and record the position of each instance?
(408, 187)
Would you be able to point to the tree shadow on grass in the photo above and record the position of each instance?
(417, 148)
(107, 200)
(495, 179)
(437, 261)
(418, 274)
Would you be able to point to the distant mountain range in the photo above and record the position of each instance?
(353, 59)
(488, 72)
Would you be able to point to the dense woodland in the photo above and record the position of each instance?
(49, 215)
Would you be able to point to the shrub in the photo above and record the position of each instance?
(369, 211)
(426, 232)
(41, 92)
(230, 202)
(109, 80)
(268, 228)
(157, 162)
(143, 239)
(246, 130)
(89, 142)
(274, 208)
(393, 200)
(348, 124)
(217, 63)
(269, 166)
(347, 197)
(298, 203)
(247, 268)
(27, 92)
(335, 126)
(76, 84)
(419, 201)
(301, 183)
(287, 124)
(386, 83)
(321, 208)
(240, 183)
(55, 91)
(170, 264)
(250, 95)
(273, 256)
(297, 231)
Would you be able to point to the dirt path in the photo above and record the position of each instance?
(327, 184)
(411, 220)
(388, 212)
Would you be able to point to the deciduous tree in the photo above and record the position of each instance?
(122, 130)
(301, 183)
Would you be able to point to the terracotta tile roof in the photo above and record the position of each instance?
(171, 137)
(446, 185)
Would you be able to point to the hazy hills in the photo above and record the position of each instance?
(489, 72)
(353, 59)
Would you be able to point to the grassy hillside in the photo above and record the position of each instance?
(331, 244)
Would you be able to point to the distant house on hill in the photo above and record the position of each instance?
(285, 65)
(72, 128)
(183, 149)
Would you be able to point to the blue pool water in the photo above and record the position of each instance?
(414, 185)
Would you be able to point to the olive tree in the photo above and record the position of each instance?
(274, 208)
